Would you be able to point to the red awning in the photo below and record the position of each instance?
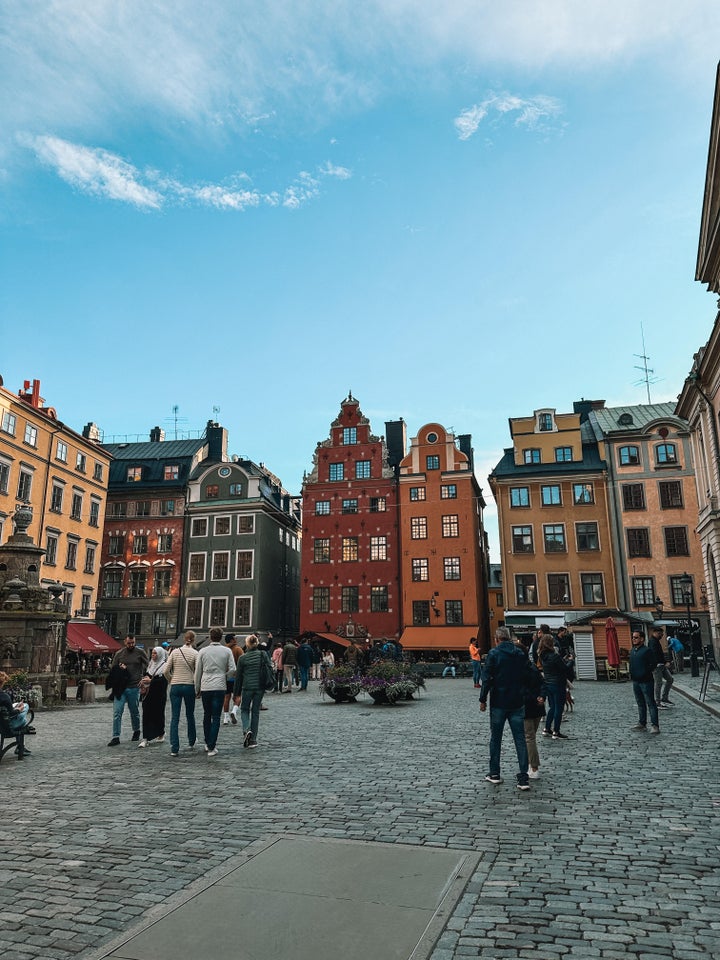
(334, 638)
(88, 638)
(438, 638)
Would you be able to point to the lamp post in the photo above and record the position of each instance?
(686, 583)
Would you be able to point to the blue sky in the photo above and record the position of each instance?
(460, 211)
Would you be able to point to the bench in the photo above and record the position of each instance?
(13, 739)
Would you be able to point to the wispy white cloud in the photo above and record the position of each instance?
(102, 174)
(537, 112)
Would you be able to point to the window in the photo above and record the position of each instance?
(194, 613)
(532, 455)
(89, 559)
(349, 600)
(222, 526)
(244, 565)
(142, 508)
(379, 599)
(4, 476)
(671, 494)
(246, 524)
(554, 538)
(321, 550)
(362, 470)
(199, 527)
(322, 508)
(563, 454)
(454, 612)
(212, 492)
(165, 543)
(235, 489)
(171, 471)
(61, 452)
(420, 569)
(31, 435)
(221, 566)
(140, 543)
(451, 568)
(56, 499)
(112, 583)
(81, 462)
(115, 545)
(76, 508)
(665, 453)
(678, 595)
(98, 471)
(378, 548)
(378, 504)
(421, 613)
(432, 462)
(162, 581)
(558, 588)
(525, 588)
(218, 611)
(242, 611)
(134, 474)
(135, 624)
(24, 485)
(111, 624)
(349, 549)
(450, 525)
(349, 506)
(321, 599)
(94, 519)
(545, 421)
(51, 545)
(522, 539)
(676, 541)
(638, 541)
(519, 496)
(349, 435)
(9, 421)
(629, 456)
(167, 508)
(550, 495)
(448, 491)
(138, 583)
(117, 509)
(337, 471)
(196, 568)
(583, 493)
(418, 528)
(593, 589)
(643, 591)
(417, 493)
(633, 496)
(159, 623)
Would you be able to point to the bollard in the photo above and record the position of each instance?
(36, 697)
(88, 692)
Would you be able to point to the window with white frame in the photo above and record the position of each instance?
(61, 451)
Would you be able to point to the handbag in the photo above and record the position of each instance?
(267, 674)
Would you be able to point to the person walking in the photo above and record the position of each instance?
(180, 674)
(677, 651)
(289, 662)
(250, 689)
(642, 668)
(276, 657)
(505, 679)
(304, 662)
(128, 665)
(476, 659)
(555, 675)
(228, 715)
(153, 690)
(662, 676)
(215, 665)
(534, 712)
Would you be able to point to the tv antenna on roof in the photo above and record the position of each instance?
(175, 419)
(216, 411)
(648, 373)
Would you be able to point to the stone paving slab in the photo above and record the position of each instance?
(613, 853)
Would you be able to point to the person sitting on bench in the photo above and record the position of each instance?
(17, 714)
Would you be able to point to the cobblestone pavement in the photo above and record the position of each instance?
(614, 852)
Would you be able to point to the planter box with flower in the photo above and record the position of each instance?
(388, 681)
(341, 684)
(19, 688)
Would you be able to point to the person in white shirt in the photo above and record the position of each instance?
(215, 666)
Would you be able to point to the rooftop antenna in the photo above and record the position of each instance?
(175, 419)
(216, 411)
(648, 373)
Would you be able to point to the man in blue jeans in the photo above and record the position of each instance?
(643, 661)
(505, 677)
(131, 662)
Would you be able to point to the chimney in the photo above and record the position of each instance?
(396, 439)
(217, 439)
(583, 407)
(157, 435)
(465, 444)
(91, 431)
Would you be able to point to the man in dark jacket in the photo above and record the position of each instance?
(642, 665)
(133, 661)
(663, 678)
(304, 657)
(505, 678)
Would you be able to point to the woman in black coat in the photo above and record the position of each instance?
(555, 675)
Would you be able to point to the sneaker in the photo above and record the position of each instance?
(523, 785)
(135, 736)
(253, 743)
(212, 753)
(115, 742)
(262, 707)
(143, 743)
(160, 739)
(667, 703)
(663, 705)
(206, 748)
(547, 733)
(226, 719)
(639, 726)
(191, 746)
(247, 738)
(560, 736)
(173, 753)
(233, 718)
(654, 729)
(494, 778)
(533, 774)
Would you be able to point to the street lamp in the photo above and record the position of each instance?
(686, 584)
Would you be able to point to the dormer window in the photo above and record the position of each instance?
(545, 421)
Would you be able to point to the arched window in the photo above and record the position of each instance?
(666, 453)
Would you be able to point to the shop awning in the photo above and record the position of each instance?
(438, 638)
(88, 638)
(334, 638)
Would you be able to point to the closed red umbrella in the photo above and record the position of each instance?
(611, 639)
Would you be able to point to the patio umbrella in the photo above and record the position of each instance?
(611, 639)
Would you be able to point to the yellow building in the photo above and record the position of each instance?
(63, 476)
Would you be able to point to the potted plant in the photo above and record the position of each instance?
(388, 681)
(19, 688)
(341, 684)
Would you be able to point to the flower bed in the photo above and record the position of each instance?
(341, 684)
(388, 681)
